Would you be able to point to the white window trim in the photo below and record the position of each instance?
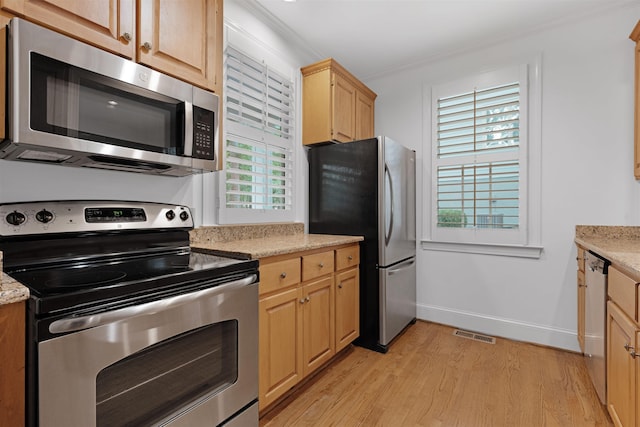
(530, 246)
(259, 51)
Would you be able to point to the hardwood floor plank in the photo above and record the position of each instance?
(432, 378)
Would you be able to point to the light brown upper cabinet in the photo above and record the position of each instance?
(183, 39)
(635, 36)
(108, 24)
(336, 106)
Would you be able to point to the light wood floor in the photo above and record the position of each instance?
(431, 378)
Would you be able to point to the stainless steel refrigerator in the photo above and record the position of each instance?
(367, 188)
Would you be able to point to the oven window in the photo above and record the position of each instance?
(70, 101)
(168, 377)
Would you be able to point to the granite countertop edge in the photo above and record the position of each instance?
(12, 291)
(274, 245)
(618, 244)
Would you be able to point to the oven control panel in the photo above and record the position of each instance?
(82, 216)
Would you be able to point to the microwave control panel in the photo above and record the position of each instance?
(203, 133)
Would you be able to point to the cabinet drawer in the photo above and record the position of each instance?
(347, 257)
(279, 275)
(317, 265)
(622, 290)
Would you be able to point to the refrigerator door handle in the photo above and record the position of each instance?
(401, 266)
(389, 230)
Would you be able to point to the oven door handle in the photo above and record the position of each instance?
(72, 324)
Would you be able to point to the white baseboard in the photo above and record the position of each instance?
(506, 328)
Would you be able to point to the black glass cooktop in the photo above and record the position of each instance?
(78, 284)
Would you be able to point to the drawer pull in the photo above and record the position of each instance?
(283, 274)
(340, 285)
(350, 257)
(301, 300)
(307, 299)
(321, 265)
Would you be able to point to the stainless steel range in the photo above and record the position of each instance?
(126, 326)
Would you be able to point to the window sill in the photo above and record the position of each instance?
(518, 251)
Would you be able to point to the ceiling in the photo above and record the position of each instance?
(375, 37)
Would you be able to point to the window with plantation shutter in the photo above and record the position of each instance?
(479, 158)
(258, 144)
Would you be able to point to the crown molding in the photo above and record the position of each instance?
(297, 43)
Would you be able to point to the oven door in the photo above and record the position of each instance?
(190, 359)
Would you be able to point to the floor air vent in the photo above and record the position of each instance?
(473, 336)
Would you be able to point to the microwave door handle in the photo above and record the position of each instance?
(188, 129)
(72, 324)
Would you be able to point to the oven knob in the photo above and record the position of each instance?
(44, 216)
(184, 215)
(16, 218)
(170, 215)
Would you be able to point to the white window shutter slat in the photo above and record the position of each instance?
(477, 164)
(259, 154)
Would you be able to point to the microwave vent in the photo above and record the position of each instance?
(43, 156)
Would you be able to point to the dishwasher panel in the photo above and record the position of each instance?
(596, 269)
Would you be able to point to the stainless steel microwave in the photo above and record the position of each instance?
(73, 104)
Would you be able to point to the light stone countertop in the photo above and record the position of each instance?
(273, 245)
(618, 244)
(253, 241)
(11, 290)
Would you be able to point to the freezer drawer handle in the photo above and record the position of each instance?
(71, 324)
(402, 266)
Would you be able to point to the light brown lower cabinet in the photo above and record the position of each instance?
(623, 349)
(347, 307)
(280, 344)
(622, 367)
(318, 323)
(12, 364)
(581, 297)
(304, 321)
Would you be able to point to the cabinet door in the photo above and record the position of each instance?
(581, 309)
(621, 367)
(344, 108)
(318, 324)
(12, 379)
(636, 145)
(347, 307)
(179, 38)
(280, 339)
(364, 116)
(109, 24)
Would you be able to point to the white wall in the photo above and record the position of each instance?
(587, 176)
